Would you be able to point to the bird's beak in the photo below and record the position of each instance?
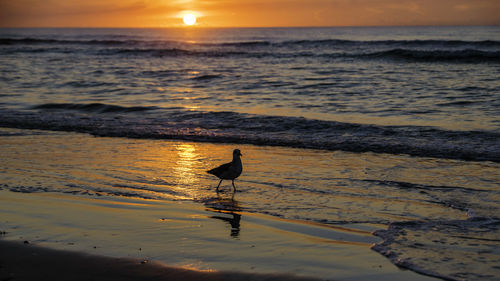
(241, 154)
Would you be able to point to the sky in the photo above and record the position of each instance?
(246, 13)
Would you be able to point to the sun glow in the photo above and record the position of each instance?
(189, 19)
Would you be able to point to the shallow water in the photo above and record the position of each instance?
(357, 192)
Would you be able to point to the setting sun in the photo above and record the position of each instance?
(189, 19)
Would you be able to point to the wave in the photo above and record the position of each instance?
(231, 127)
(264, 43)
(413, 244)
(92, 107)
(409, 55)
(34, 41)
(179, 52)
(468, 55)
(392, 43)
(414, 186)
(470, 52)
(207, 77)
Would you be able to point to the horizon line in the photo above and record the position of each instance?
(252, 27)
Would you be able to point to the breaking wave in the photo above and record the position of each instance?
(412, 50)
(231, 127)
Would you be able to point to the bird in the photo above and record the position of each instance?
(229, 171)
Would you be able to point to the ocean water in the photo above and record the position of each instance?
(391, 127)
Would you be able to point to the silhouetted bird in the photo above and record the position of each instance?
(229, 171)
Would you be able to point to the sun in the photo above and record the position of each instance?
(189, 19)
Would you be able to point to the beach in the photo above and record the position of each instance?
(141, 260)
(214, 233)
(47, 264)
(202, 229)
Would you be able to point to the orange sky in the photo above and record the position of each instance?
(246, 13)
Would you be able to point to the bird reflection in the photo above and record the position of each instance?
(226, 209)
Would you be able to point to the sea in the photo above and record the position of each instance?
(398, 127)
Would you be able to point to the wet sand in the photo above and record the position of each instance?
(89, 196)
(21, 261)
(100, 239)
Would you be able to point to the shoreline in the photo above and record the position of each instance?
(178, 240)
(152, 200)
(49, 264)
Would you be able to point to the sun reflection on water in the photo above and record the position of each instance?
(184, 169)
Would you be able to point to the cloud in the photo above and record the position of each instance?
(462, 7)
(142, 13)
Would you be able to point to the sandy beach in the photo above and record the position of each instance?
(21, 261)
(105, 240)
(109, 227)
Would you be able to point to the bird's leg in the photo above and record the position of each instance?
(219, 185)
(234, 186)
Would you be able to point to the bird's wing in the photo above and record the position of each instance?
(222, 168)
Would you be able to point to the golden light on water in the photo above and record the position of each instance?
(184, 165)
